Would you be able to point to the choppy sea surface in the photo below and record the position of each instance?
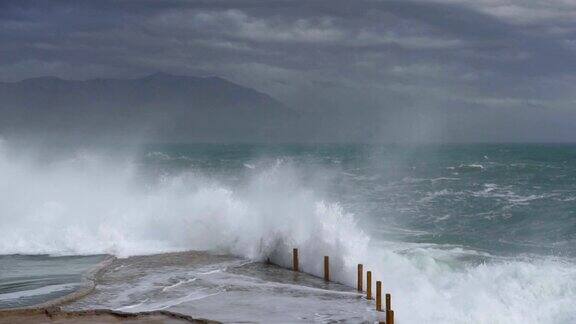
(457, 233)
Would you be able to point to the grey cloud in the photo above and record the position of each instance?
(377, 56)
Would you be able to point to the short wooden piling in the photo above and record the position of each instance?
(379, 296)
(295, 260)
(390, 317)
(360, 277)
(388, 302)
(369, 285)
(326, 268)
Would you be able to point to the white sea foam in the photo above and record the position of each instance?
(179, 283)
(441, 193)
(494, 191)
(468, 167)
(89, 205)
(166, 157)
(249, 166)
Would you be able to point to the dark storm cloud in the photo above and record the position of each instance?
(474, 57)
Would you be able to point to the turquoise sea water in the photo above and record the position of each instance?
(462, 231)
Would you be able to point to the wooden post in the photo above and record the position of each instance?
(326, 268)
(388, 302)
(379, 296)
(360, 277)
(369, 285)
(295, 260)
(390, 317)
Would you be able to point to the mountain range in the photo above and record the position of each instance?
(158, 107)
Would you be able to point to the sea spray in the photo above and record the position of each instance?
(85, 205)
(89, 204)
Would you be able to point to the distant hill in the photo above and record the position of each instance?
(159, 107)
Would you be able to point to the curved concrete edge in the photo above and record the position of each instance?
(54, 312)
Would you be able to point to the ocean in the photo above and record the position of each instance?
(459, 233)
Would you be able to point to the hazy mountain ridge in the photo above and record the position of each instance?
(160, 106)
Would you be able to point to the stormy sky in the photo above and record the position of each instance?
(469, 70)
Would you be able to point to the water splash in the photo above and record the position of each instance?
(90, 204)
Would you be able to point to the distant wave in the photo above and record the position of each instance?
(249, 166)
(468, 167)
(166, 157)
(492, 190)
